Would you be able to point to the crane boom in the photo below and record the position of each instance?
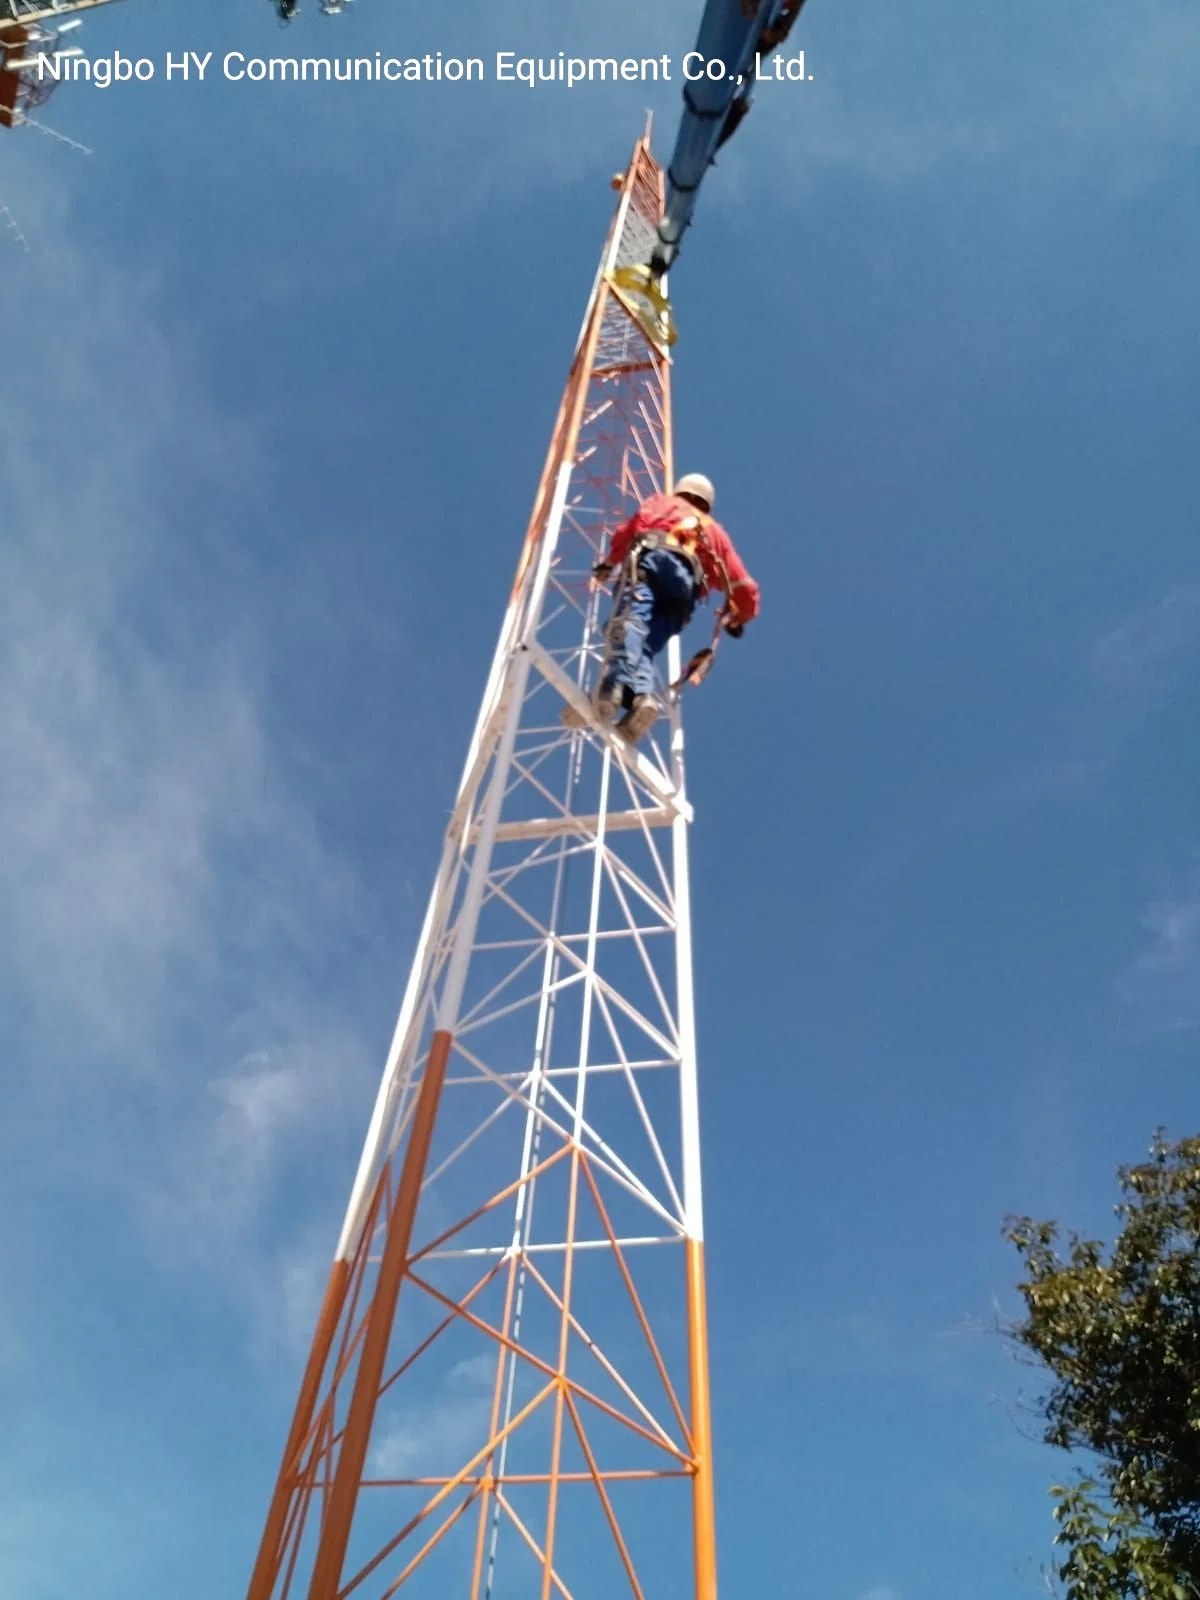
(732, 33)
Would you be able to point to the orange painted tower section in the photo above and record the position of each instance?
(507, 1396)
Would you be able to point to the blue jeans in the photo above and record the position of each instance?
(653, 610)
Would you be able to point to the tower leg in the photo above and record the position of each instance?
(327, 1572)
(703, 1506)
(266, 1567)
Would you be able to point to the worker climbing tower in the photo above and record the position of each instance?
(507, 1394)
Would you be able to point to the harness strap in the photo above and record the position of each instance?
(685, 539)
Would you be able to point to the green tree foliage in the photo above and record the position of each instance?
(1110, 1553)
(1121, 1338)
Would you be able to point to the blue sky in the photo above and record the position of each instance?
(282, 366)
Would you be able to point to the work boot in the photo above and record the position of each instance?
(610, 701)
(639, 719)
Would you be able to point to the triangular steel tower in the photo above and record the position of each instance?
(507, 1396)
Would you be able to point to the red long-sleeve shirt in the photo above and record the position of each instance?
(722, 566)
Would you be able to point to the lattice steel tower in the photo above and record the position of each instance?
(507, 1395)
(30, 29)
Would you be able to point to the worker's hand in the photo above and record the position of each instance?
(601, 573)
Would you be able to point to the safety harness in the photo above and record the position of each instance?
(685, 539)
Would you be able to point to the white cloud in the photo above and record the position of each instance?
(1143, 654)
(881, 1592)
(165, 896)
(128, 758)
(283, 1286)
(443, 1434)
(1163, 982)
(120, 786)
(248, 1114)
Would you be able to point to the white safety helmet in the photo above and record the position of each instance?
(695, 483)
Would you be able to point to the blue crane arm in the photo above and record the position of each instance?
(731, 32)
